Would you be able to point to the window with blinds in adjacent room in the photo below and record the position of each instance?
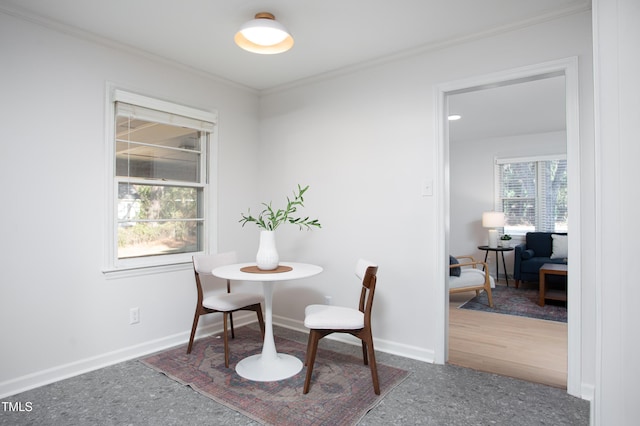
(532, 193)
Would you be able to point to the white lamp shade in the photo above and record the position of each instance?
(265, 32)
(492, 219)
(264, 35)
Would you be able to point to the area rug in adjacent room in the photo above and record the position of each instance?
(518, 301)
(341, 389)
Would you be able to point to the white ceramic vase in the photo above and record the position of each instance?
(267, 257)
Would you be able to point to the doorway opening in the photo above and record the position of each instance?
(564, 71)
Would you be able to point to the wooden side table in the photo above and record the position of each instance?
(551, 269)
(497, 250)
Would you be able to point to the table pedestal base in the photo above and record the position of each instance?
(268, 366)
(259, 369)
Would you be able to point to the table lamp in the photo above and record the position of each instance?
(493, 220)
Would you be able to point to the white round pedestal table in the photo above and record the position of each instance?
(270, 365)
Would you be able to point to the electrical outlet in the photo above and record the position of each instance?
(427, 188)
(134, 316)
(327, 300)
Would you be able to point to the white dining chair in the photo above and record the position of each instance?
(323, 320)
(219, 301)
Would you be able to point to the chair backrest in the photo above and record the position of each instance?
(203, 264)
(361, 267)
(367, 271)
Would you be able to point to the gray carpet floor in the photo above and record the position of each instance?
(130, 393)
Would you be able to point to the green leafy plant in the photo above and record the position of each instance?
(505, 237)
(269, 219)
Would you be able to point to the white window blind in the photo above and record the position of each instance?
(152, 115)
(532, 192)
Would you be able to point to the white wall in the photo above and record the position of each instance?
(366, 140)
(471, 174)
(617, 61)
(59, 313)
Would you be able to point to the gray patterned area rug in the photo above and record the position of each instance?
(341, 390)
(518, 301)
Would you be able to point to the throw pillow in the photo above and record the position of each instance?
(560, 246)
(528, 254)
(454, 272)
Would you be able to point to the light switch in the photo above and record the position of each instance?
(427, 188)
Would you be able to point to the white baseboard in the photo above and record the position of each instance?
(381, 345)
(44, 377)
(588, 393)
(65, 371)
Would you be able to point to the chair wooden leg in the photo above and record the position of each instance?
(260, 319)
(373, 365)
(193, 331)
(233, 334)
(306, 356)
(225, 338)
(364, 353)
(517, 283)
(490, 297)
(312, 348)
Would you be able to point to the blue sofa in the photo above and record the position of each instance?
(532, 254)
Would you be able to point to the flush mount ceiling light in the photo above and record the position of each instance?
(454, 117)
(264, 35)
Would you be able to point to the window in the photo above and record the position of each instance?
(532, 192)
(160, 158)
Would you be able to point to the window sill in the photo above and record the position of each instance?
(136, 271)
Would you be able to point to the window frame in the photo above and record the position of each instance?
(498, 200)
(115, 267)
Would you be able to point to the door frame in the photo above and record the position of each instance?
(569, 68)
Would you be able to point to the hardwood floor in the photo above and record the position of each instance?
(525, 348)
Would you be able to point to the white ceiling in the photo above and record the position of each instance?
(329, 35)
(525, 108)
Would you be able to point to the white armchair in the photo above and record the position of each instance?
(470, 277)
